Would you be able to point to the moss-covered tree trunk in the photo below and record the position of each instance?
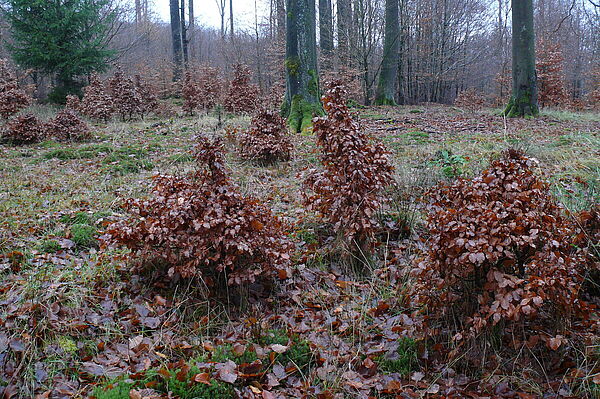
(302, 78)
(523, 101)
(386, 87)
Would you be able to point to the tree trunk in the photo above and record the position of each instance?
(281, 16)
(138, 12)
(231, 17)
(344, 21)
(191, 27)
(184, 41)
(326, 32)
(176, 38)
(524, 91)
(302, 78)
(386, 88)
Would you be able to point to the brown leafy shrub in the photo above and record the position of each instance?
(97, 102)
(549, 68)
(12, 98)
(189, 91)
(146, 94)
(201, 225)
(165, 110)
(210, 86)
(348, 191)
(242, 96)
(350, 79)
(24, 129)
(126, 99)
(72, 102)
(67, 126)
(266, 140)
(499, 250)
(470, 99)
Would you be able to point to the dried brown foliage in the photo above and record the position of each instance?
(242, 96)
(67, 126)
(348, 191)
(126, 99)
(24, 129)
(549, 68)
(267, 139)
(201, 225)
(470, 99)
(73, 103)
(12, 98)
(97, 103)
(594, 95)
(350, 79)
(500, 250)
(146, 94)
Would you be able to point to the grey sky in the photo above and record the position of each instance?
(207, 11)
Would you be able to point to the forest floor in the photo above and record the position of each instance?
(74, 322)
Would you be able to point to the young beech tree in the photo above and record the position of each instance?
(302, 78)
(65, 39)
(386, 87)
(524, 101)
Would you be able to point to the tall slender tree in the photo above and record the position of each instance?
(386, 88)
(326, 32)
(231, 17)
(176, 38)
(184, 40)
(302, 77)
(344, 22)
(191, 28)
(524, 99)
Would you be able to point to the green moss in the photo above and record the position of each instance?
(313, 83)
(301, 114)
(521, 107)
(83, 235)
(67, 344)
(292, 64)
(225, 352)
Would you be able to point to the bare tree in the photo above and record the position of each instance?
(221, 4)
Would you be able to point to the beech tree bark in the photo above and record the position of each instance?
(176, 38)
(344, 21)
(184, 40)
(326, 32)
(302, 77)
(231, 17)
(191, 27)
(524, 99)
(386, 88)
